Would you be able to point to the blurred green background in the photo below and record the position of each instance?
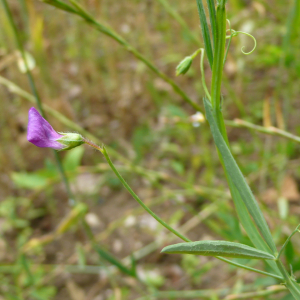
(169, 160)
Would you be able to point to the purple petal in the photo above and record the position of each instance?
(40, 132)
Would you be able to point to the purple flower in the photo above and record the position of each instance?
(41, 134)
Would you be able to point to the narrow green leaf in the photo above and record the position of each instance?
(108, 257)
(217, 69)
(248, 224)
(238, 179)
(61, 5)
(213, 19)
(205, 32)
(218, 248)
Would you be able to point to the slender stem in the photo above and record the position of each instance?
(196, 53)
(287, 240)
(213, 294)
(251, 295)
(103, 151)
(290, 284)
(249, 268)
(267, 130)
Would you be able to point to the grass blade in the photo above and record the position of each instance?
(213, 19)
(108, 257)
(238, 179)
(205, 32)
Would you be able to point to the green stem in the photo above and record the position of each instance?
(287, 240)
(249, 268)
(258, 294)
(214, 294)
(157, 218)
(134, 195)
(293, 287)
(267, 130)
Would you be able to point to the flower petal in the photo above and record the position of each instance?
(40, 132)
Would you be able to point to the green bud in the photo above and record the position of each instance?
(184, 65)
(70, 140)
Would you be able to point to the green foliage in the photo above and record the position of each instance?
(238, 180)
(205, 31)
(166, 152)
(218, 248)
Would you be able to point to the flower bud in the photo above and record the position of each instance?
(41, 134)
(184, 65)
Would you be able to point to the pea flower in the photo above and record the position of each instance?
(41, 134)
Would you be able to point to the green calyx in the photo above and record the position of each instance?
(70, 140)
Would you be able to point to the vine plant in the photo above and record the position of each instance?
(42, 134)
